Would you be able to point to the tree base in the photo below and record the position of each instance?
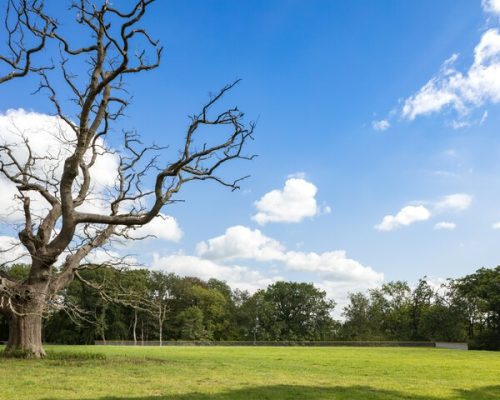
(25, 337)
(18, 352)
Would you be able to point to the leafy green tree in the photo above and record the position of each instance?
(292, 311)
(421, 304)
(191, 322)
(443, 321)
(215, 307)
(357, 318)
(398, 318)
(479, 294)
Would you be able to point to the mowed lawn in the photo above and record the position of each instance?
(232, 373)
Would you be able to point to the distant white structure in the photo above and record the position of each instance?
(452, 346)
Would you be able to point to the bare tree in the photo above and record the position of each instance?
(59, 236)
(160, 300)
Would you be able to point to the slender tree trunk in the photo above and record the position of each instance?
(160, 321)
(135, 326)
(25, 336)
(142, 331)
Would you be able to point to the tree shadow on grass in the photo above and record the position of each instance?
(290, 392)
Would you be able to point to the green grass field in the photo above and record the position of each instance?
(232, 373)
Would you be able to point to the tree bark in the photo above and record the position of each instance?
(142, 331)
(135, 326)
(160, 321)
(25, 336)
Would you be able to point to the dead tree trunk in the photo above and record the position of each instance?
(25, 324)
(25, 336)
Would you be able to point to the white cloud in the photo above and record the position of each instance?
(439, 285)
(339, 291)
(381, 125)
(293, 203)
(332, 266)
(484, 117)
(48, 136)
(326, 210)
(406, 216)
(162, 227)
(100, 256)
(414, 213)
(449, 226)
(459, 91)
(242, 243)
(11, 250)
(454, 202)
(9, 209)
(236, 276)
(460, 124)
(491, 6)
(496, 225)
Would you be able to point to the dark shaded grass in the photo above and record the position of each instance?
(290, 392)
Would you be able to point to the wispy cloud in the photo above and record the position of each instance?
(491, 6)
(462, 91)
(447, 226)
(381, 125)
(454, 202)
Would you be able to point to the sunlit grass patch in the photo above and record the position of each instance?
(237, 373)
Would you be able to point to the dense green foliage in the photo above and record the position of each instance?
(143, 305)
(465, 309)
(137, 303)
(252, 373)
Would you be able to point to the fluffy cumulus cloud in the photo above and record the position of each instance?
(447, 226)
(381, 125)
(221, 257)
(454, 202)
(332, 266)
(240, 242)
(293, 203)
(496, 225)
(162, 227)
(462, 91)
(406, 216)
(236, 276)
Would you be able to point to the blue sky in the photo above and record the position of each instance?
(355, 98)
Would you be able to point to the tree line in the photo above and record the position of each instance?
(142, 305)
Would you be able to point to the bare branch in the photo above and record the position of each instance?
(22, 19)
